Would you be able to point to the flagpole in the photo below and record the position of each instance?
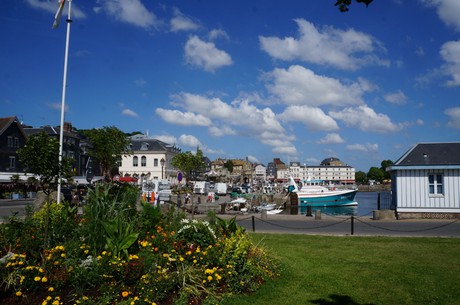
(64, 84)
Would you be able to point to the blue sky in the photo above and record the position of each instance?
(261, 79)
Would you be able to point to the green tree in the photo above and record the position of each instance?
(188, 163)
(108, 146)
(229, 165)
(361, 177)
(40, 156)
(376, 174)
(383, 167)
(344, 4)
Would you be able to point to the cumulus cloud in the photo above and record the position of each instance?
(129, 11)
(366, 119)
(397, 98)
(454, 117)
(189, 141)
(240, 117)
(450, 52)
(325, 46)
(180, 22)
(166, 138)
(129, 112)
(448, 11)
(182, 118)
(331, 138)
(205, 55)
(312, 117)
(369, 147)
(218, 33)
(301, 86)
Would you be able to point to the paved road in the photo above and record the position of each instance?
(327, 225)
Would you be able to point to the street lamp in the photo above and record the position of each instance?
(162, 162)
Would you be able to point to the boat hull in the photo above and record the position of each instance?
(333, 199)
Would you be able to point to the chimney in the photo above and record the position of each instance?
(67, 126)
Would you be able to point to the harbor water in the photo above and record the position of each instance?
(367, 203)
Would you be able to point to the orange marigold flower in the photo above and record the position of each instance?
(124, 294)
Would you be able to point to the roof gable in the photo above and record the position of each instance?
(431, 154)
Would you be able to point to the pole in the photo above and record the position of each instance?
(64, 84)
(352, 225)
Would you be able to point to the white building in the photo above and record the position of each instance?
(425, 181)
(338, 174)
(150, 159)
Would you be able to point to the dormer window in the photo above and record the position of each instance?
(144, 146)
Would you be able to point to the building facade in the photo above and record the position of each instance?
(338, 175)
(150, 159)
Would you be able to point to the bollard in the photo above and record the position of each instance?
(352, 225)
(253, 224)
(264, 214)
(318, 214)
(309, 210)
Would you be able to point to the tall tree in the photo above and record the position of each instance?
(384, 165)
(108, 146)
(188, 163)
(361, 177)
(229, 165)
(40, 156)
(376, 174)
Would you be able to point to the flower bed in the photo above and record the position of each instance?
(120, 253)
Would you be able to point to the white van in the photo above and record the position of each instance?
(220, 189)
(201, 187)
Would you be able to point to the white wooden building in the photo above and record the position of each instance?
(426, 181)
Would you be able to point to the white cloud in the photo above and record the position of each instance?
(450, 52)
(397, 97)
(180, 22)
(58, 106)
(325, 46)
(253, 159)
(189, 141)
(129, 112)
(166, 138)
(182, 118)
(312, 117)
(222, 131)
(52, 7)
(128, 11)
(366, 119)
(363, 147)
(454, 114)
(448, 11)
(205, 55)
(331, 138)
(300, 86)
(218, 33)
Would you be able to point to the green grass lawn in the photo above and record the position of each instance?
(353, 270)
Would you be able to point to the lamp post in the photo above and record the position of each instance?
(162, 162)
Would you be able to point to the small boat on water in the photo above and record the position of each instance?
(320, 196)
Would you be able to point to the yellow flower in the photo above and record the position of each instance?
(44, 279)
(37, 279)
(209, 278)
(181, 259)
(18, 293)
(124, 294)
(51, 289)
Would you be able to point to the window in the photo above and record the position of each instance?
(10, 141)
(135, 161)
(16, 142)
(435, 184)
(155, 162)
(143, 161)
(12, 162)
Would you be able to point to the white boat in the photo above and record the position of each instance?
(319, 196)
(276, 210)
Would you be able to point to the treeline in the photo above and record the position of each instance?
(376, 174)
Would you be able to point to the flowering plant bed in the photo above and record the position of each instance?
(118, 252)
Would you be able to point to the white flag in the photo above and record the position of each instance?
(57, 17)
